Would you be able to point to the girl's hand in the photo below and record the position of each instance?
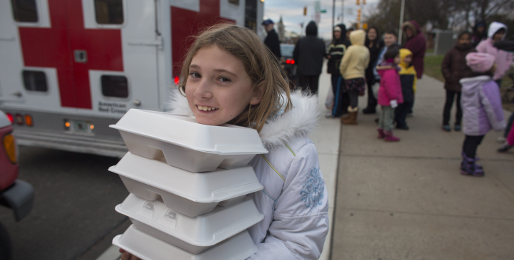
(127, 256)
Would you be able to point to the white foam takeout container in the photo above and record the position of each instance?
(194, 235)
(186, 144)
(238, 247)
(185, 192)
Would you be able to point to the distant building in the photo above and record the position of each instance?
(281, 30)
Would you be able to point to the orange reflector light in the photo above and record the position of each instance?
(28, 120)
(92, 127)
(67, 124)
(19, 119)
(10, 147)
(11, 117)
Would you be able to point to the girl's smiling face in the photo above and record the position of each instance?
(218, 88)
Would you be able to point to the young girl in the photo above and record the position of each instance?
(389, 94)
(374, 45)
(229, 76)
(352, 68)
(482, 109)
(503, 59)
(454, 69)
(335, 54)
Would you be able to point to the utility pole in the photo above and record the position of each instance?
(401, 22)
(333, 13)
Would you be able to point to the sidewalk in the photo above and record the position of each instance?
(407, 200)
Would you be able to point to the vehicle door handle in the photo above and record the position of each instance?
(80, 56)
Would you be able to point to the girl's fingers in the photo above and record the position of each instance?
(121, 250)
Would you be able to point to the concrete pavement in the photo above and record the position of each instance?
(407, 200)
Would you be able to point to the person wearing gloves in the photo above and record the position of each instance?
(229, 77)
(482, 109)
(454, 69)
(335, 53)
(503, 59)
(353, 67)
(389, 94)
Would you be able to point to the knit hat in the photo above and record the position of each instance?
(479, 62)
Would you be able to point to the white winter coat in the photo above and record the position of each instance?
(294, 200)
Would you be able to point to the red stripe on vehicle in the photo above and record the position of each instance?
(53, 47)
(186, 23)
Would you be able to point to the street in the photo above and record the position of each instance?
(73, 209)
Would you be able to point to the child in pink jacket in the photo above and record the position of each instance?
(389, 94)
(502, 59)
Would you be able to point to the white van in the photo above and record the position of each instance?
(70, 68)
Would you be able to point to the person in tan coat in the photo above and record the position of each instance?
(353, 68)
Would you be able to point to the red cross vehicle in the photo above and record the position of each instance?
(71, 68)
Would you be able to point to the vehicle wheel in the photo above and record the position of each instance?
(5, 244)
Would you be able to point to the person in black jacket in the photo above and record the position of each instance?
(335, 54)
(308, 55)
(272, 40)
(374, 45)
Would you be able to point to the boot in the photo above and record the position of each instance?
(351, 119)
(469, 167)
(381, 133)
(477, 166)
(389, 137)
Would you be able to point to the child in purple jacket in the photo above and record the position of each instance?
(482, 109)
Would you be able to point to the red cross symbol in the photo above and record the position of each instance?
(53, 47)
(185, 23)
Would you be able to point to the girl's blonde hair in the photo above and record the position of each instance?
(259, 64)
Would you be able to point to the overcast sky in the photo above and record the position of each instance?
(292, 13)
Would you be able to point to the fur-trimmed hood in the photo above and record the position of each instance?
(280, 129)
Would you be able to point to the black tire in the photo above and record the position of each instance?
(5, 244)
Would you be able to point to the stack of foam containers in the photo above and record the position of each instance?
(188, 184)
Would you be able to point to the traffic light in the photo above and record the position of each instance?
(358, 14)
(305, 11)
(357, 2)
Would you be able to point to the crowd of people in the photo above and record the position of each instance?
(361, 60)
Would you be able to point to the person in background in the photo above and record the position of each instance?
(479, 33)
(335, 54)
(374, 45)
(272, 41)
(408, 81)
(308, 54)
(417, 44)
(482, 109)
(350, 30)
(391, 41)
(389, 94)
(503, 59)
(353, 67)
(454, 68)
